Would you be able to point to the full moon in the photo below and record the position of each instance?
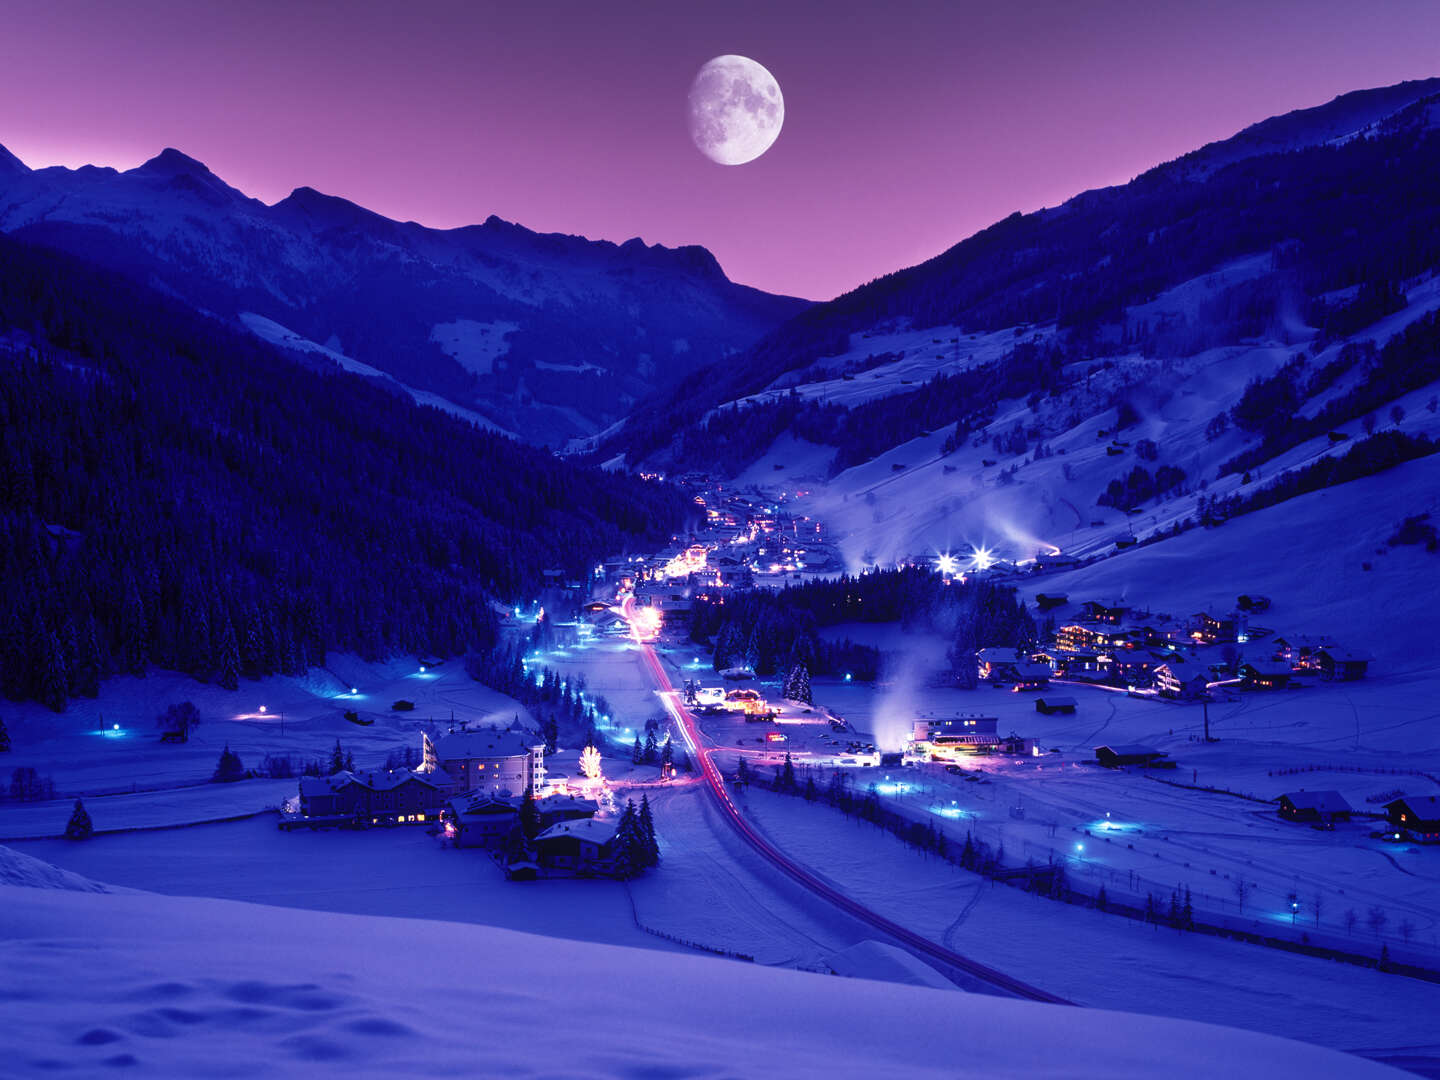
(736, 110)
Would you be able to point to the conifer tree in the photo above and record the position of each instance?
(742, 773)
(787, 774)
(797, 685)
(652, 749)
(54, 681)
(337, 759)
(229, 658)
(667, 756)
(80, 826)
(5, 739)
(637, 752)
(650, 847)
(529, 815)
(627, 846)
(228, 769)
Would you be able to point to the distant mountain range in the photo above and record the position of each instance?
(547, 337)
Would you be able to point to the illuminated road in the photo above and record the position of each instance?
(715, 786)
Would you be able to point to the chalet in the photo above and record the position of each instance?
(582, 847)
(1417, 817)
(998, 663)
(1125, 668)
(1057, 561)
(1265, 675)
(1070, 663)
(395, 797)
(480, 820)
(557, 808)
(1050, 705)
(1180, 679)
(1342, 665)
(1114, 757)
(1315, 807)
(1107, 611)
(1301, 649)
(1031, 675)
(1214, 629)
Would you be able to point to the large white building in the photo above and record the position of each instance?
(490, 760)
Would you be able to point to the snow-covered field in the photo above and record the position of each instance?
(207, 988)
(109, 749)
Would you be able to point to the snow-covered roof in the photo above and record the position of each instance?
(1132, 750)
(482, 803)
(1267, 667)
(591, 829)
(1425, 807)
(486, 743)
(1326, 802)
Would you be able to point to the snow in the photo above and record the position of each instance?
(209, 988)
(273, 332)
(1099, 960)
(111, 744)
(474, 345)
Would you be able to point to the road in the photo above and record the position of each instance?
(717, 790)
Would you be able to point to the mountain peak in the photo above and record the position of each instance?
(10, 165)
(171, 162)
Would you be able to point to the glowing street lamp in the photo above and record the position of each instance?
(262, 710)
(948, 564)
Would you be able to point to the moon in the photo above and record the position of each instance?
(736, 110)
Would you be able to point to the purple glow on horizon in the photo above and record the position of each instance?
(908, 125)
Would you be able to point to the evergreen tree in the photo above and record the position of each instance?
(627, 847)
(812, 792)
(551, 731)
(797, 685)
(650, 846)
(787, 774)
(529, 815)
(667, 756)
(228, 769)
(228, 658)
(337, 759)
(637, 752)
(652, 749)
(5, 739)
(80, 826)
(742, 773)
(1102, 899)
(54, 682)
(1187, 912)
(349, 761)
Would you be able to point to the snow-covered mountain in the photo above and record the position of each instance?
(1140, 360)
(546, 336)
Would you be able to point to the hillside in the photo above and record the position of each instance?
(546, 336)
(1288, 235)
(1142, 359)
(188, 987)
(176, 493)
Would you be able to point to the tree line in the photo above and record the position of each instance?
(176, 494)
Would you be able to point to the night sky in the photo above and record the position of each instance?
(908, 125)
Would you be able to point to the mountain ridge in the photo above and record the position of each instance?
(423, 305)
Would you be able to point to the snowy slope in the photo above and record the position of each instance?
(201, 988)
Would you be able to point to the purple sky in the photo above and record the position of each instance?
(908, 125)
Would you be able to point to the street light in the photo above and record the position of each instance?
(262, 709)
